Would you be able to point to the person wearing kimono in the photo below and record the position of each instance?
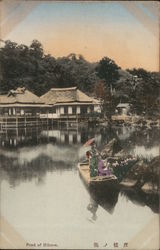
(92, 155)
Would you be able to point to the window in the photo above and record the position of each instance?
(83, 110)
(1, 111)
(54, 110)
(18, 111)
(92, 108)
(74, 109)
(65, 110)
(50, 111)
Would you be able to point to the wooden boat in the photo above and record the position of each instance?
(98, 181)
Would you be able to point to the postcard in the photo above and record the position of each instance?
(79, 124)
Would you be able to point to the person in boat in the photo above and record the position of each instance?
(103, 168)
(96, 164)
(92, 155)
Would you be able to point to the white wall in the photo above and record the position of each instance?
(53, 115)
(78, 110)
(69, 110)
(61, 110)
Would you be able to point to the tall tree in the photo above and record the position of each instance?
(107, 70)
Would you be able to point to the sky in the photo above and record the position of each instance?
(93, 29)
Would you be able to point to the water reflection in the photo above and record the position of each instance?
(35, 136)
(20, 137)
(110, 198)
(39, 177)
(142, 199)
(30, 154)
(27, 151)
(92, 207)
(16, 172)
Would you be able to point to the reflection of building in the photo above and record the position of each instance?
(19, 107)
(124, 132)
(20, 137)
(37, 135)
(69, 103)
(70, 136)
(63, 136)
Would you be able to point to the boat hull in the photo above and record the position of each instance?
(98, 182)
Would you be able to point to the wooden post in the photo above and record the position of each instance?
(25, 122)
(5, 123)
(77, 122)
(16, 118)
(67, 124)
(47, 120)
(36, 121)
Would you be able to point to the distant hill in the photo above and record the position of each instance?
(28, 66)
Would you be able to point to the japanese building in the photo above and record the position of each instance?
(69, 103)
(20, 107)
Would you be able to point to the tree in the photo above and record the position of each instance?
(36, 49)
(108, 101)
(140, 73)
(28, 66)
(107, 70)
(78, 72)
(147, 90)
(100, 90)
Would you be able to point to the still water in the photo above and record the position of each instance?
(44, 199)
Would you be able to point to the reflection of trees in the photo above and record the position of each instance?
(108, 133)
(145, 137)
(141, 137)
(108, 199)
(16, 172)
(142, 199)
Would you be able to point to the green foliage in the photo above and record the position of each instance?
(145, 96)
(95, 115)
(107, 70)
(28, 66)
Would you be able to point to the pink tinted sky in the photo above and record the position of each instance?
(93, 29)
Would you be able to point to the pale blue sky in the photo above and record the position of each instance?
(94, 29)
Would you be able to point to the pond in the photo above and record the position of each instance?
(45, 200)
